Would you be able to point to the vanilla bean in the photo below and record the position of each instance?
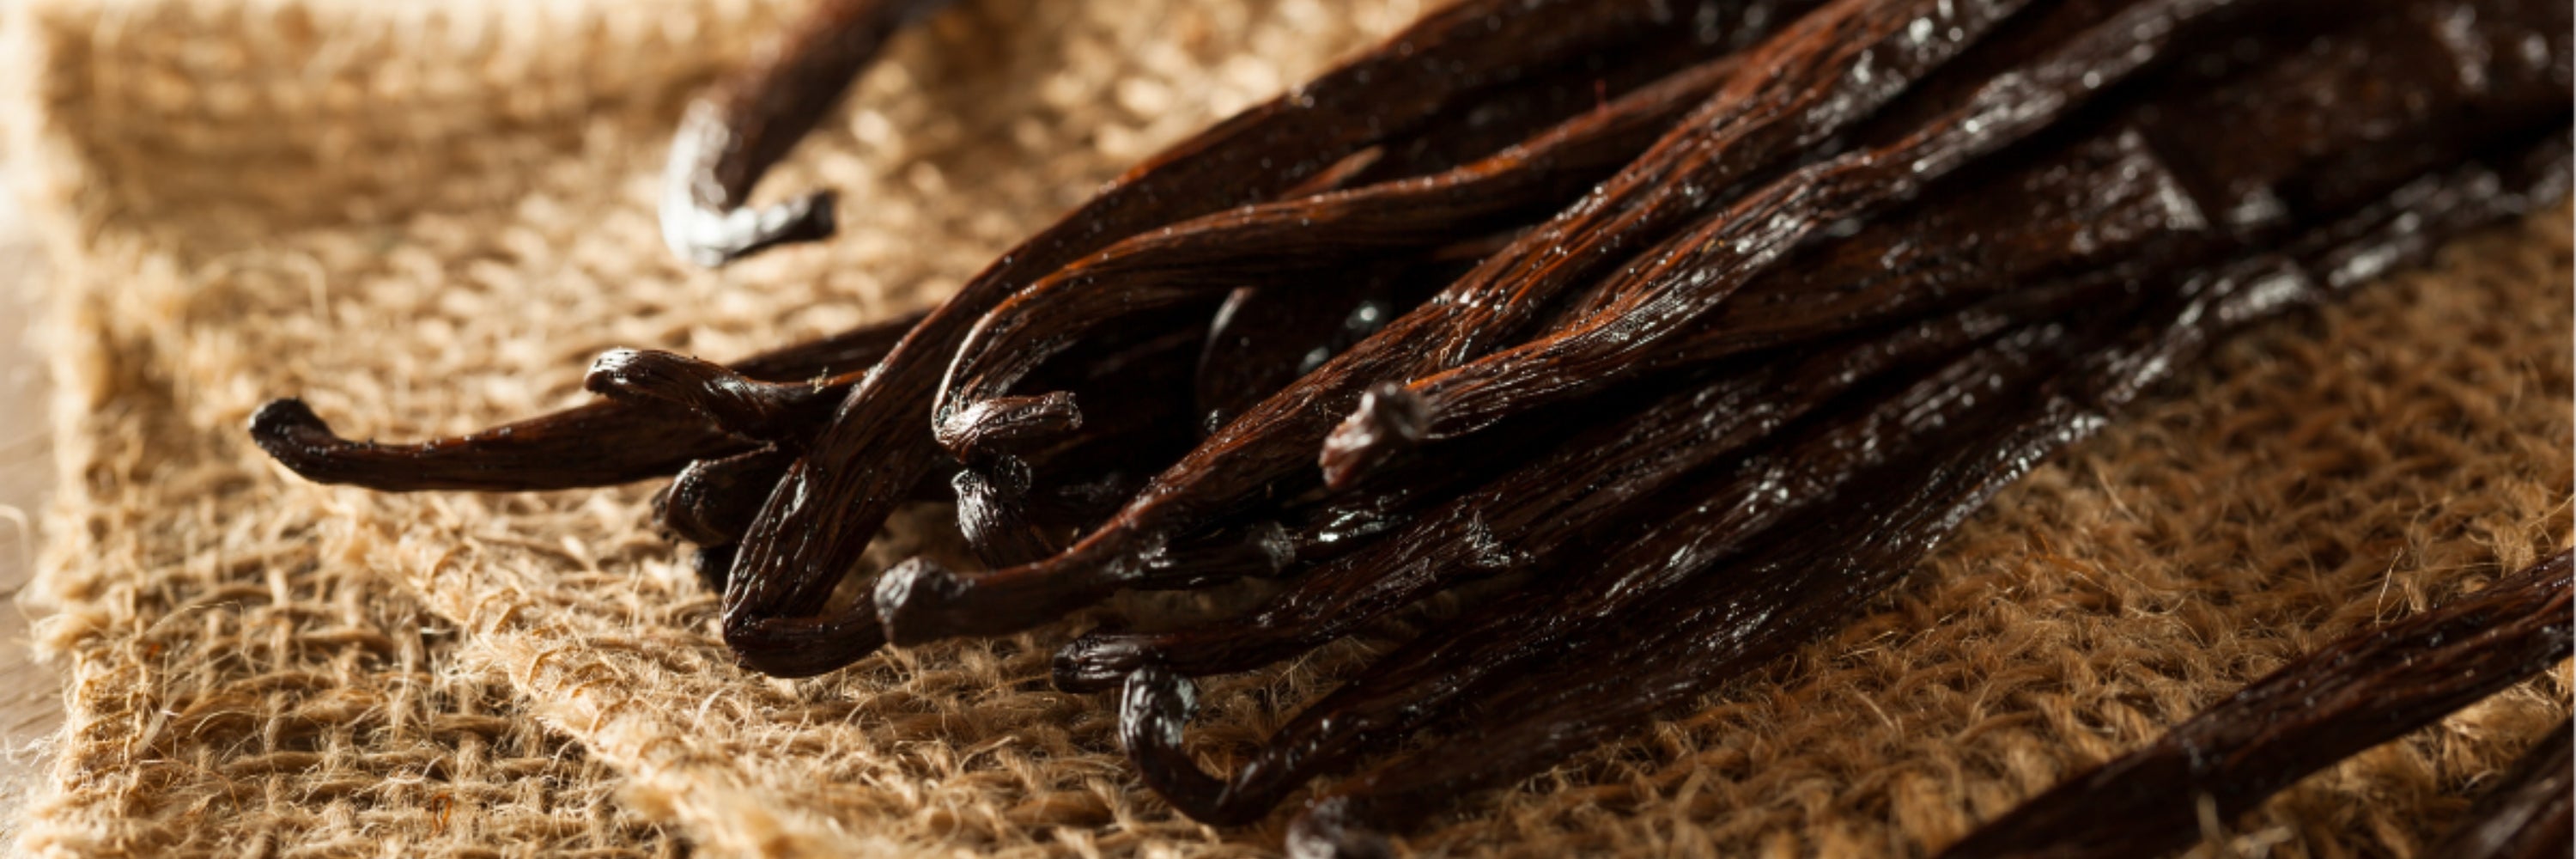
(2357, 692)
(1263, 338)
(2529, 812)
(1741, 620)
(850, 479)
(1653, 572)
(1691, 276)
(1222, 250)
(1404, 690)
(711, 502)
(730, 137)
(1549, 503)
(597, 444)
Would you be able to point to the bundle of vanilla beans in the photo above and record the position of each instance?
(1687, 326)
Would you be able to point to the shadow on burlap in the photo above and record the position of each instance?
(429, 222)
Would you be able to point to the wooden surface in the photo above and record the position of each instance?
(30, 700)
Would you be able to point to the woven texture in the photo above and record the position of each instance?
(429, 222)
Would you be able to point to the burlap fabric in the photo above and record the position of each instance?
(428, 221)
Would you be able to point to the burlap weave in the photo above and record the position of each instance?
(428, 221)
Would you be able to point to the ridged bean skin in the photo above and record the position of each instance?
(1679, 330)
(835, 499)
(2529, 812)
(1791, 92)
(2357, 692)
(1674, 642)
(1549, 503)
(1221, 250)
(730, 137)
(597, 444)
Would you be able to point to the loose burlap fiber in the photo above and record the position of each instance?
(429, 221)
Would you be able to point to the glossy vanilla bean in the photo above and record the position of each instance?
(1219, 251)
(832, 502)
(711, 502)
(2357, 692)
(1401, 692)
(1747, 618)
(751, 120)
(1406, 690)
(2529, 812)
(596, 444)
(1797, 94)
(1687, 278)
(1552, 502)
(1263, 338)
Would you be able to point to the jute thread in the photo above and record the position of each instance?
(428, 222)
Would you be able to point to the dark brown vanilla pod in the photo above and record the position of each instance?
(1520, 519)
(1689, 277)
(2527, 813)
(1503, 656)
(2398, 91)
(1704, 624)
(992, 514)
(1144, 386)
(1461, 661)
(833, 501)
(595, 444)
(1265, 337)
(1307, 235)
(2357, 692)
(731, 136)
(711, 502)
(2333, 106)
(600, 444)
(1798, 93)
(737, 404)
(1667, 652)
(1472, 130)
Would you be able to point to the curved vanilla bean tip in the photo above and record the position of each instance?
(297, 438)
(713, 501)
(599, 444)
(700, 227)
(920, 601)
(1153, 709)
(992, 513)
(792, 647)
(713, 238)
(730, 400)
(913, 599)
(1329, 829)
(1389, 420)
(1098, 660)
(985, 429)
